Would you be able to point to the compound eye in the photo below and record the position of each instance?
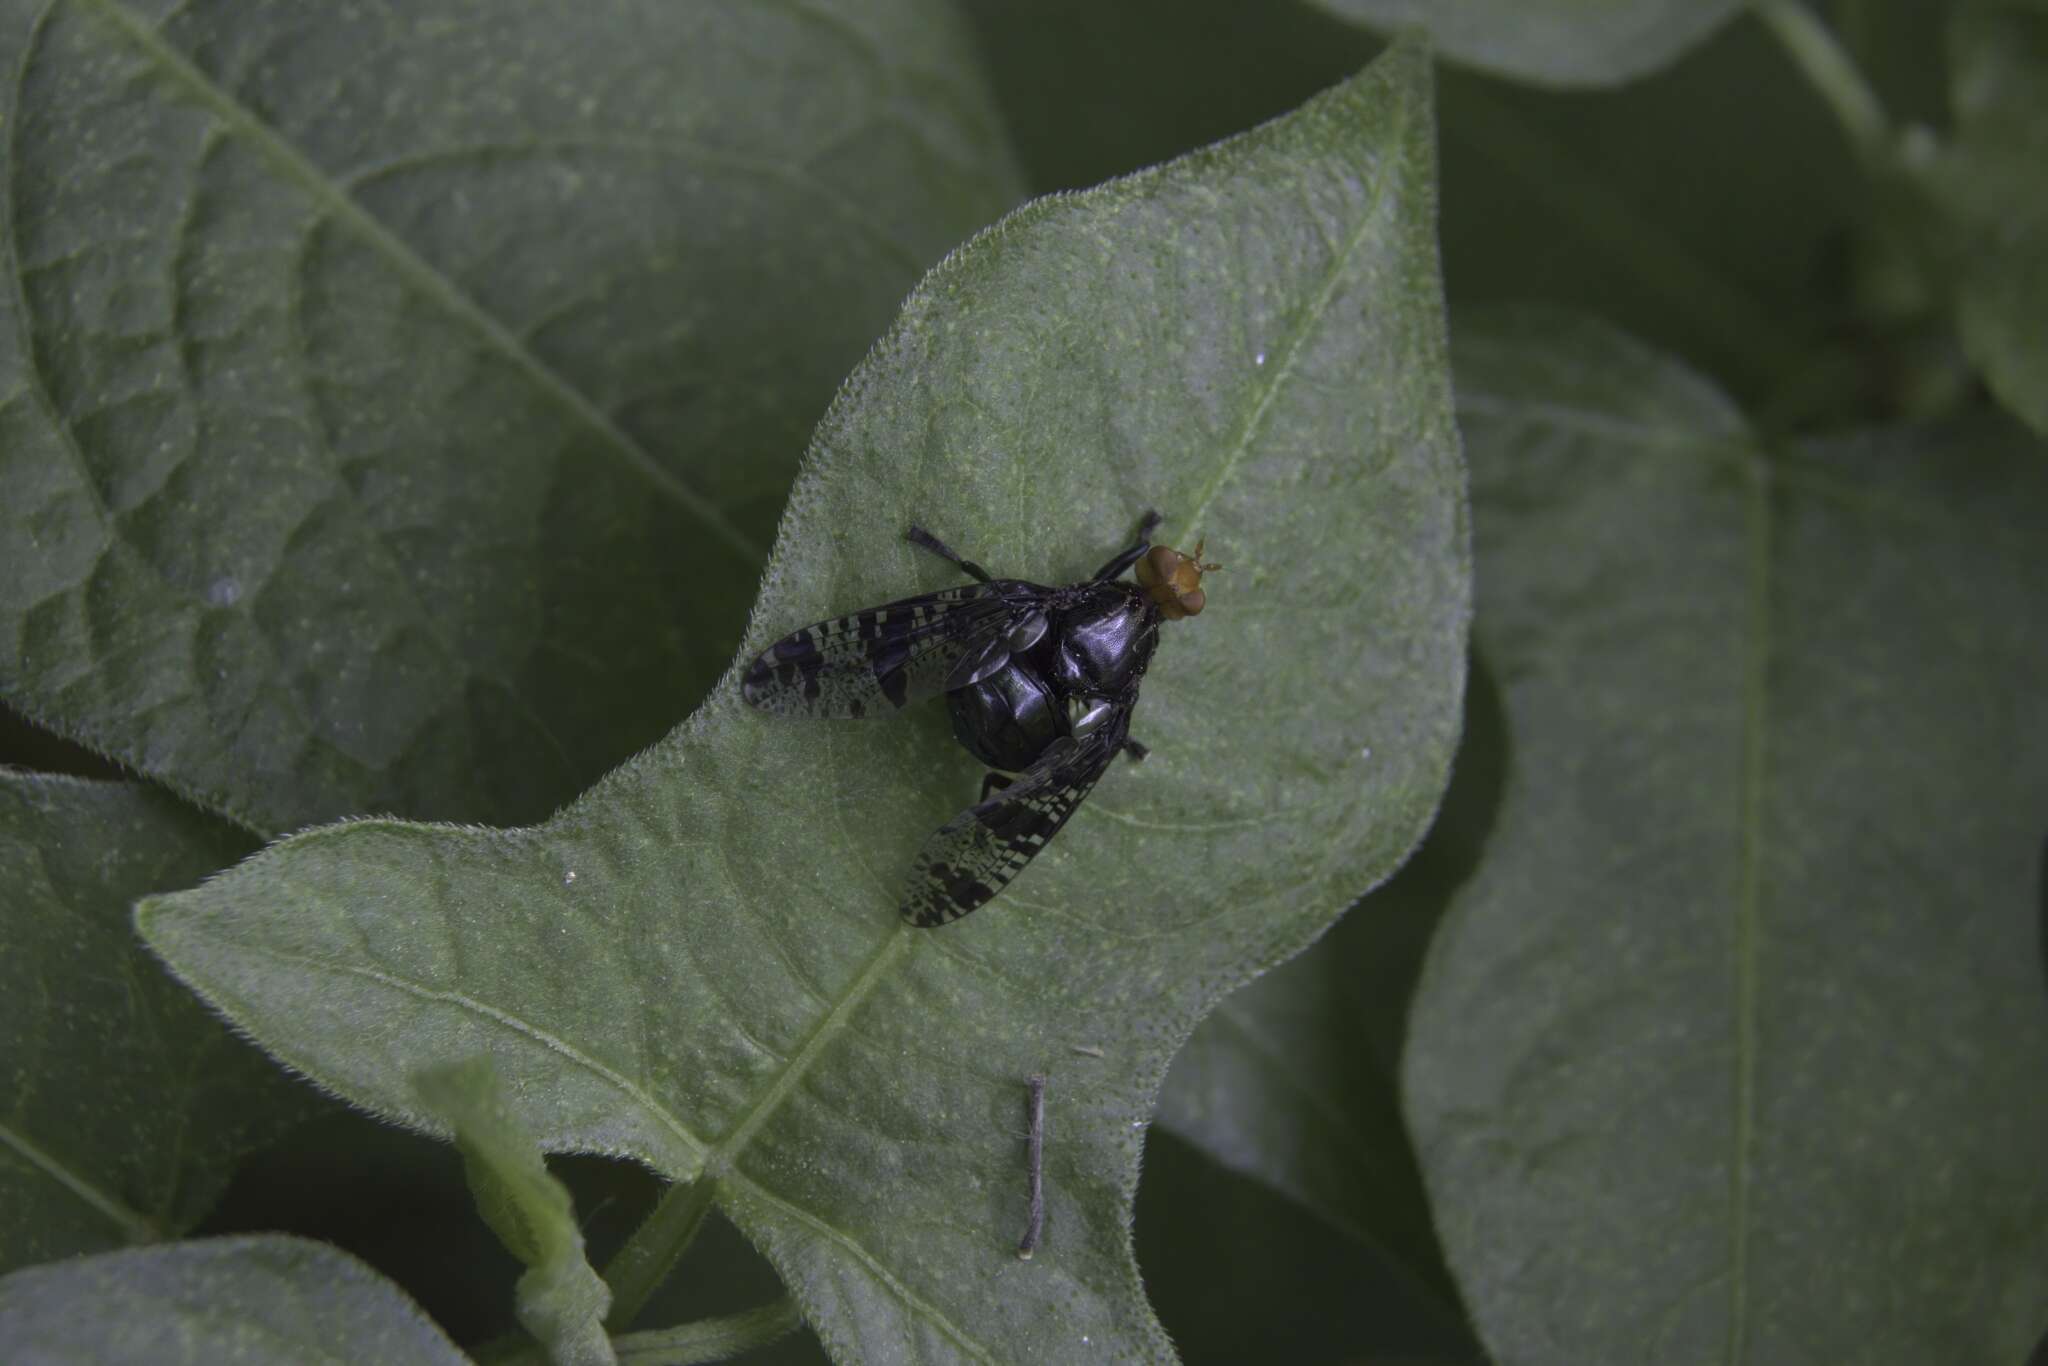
(1193, 601)
(1158, 565)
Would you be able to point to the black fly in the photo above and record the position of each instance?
(1041, 682)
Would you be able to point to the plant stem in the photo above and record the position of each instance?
(1829, 67)
(644, 1262)
(686, 1345)
(709, 1339)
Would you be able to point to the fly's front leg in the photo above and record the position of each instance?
(1146, 526)
(991, 782)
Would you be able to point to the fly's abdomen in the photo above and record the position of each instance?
(1007, 719)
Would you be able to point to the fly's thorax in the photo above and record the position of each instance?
(1102, 641)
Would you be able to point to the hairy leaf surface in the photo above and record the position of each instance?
(1739, 1019)
(395, 401)
(701, 962)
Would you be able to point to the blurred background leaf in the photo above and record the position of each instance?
(127, 1103)
(1732, 1043)
(399, 1203)
(1240, 1273)
(1552, 42)
(1988, 189)
(1713, 210)
(399, 400)
(262, 1301)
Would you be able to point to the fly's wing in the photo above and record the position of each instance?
(973, 856)
(896, 653)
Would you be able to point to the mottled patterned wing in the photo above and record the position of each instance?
(896, 653)
(973, 856)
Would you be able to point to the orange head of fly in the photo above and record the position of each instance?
(1174, 581)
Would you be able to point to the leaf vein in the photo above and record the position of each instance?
(10, 259)
(432, 284)
(765, 168)
(502, 1018)
(133, 1225)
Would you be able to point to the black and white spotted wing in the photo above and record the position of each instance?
(973, 856)
(900, 652)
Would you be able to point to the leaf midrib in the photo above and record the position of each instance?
(292, 164)
(1288, 351)
(719, 1160)
(1756, 666)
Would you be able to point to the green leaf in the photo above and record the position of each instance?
(218, 1302)
(701, 963)
(395, 402)
(1552, 42)
(1988, 188)
(562, 1301)
(1732, 1046)
(127, 1102)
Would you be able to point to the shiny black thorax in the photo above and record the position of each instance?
(1098, 640)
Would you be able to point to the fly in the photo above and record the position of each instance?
(1040, 681)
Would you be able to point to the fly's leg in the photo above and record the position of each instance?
(1125, 560)
(1135, 750)
(917, 535)
(991, 782)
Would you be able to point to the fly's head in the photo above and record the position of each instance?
(1174, 581)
